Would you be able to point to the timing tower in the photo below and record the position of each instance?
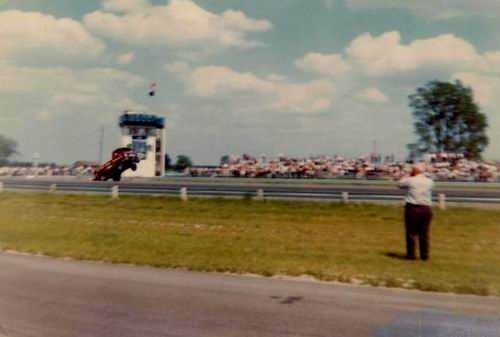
(145, 134)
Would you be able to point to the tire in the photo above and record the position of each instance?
(133, 167)
(117, 177)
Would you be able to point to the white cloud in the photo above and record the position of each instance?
(238, 21)
(211, 81)
(433, 9)
(126, 58)
(386, 54)
(59, 87)
(275, 77)
(372, 95)
(490, 62)
(42, 102)
(40, 37)
(181, 24)
(323, 64)
(228, 84)
(485, 87)
(314, 96)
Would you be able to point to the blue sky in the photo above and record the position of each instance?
(298, 77)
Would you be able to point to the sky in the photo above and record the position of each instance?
(293, 77)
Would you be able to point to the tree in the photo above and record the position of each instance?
(8, 147)
(448, 120)
(224, 160)
(183, 162)
(168, 162)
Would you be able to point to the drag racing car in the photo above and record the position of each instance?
(122, 159)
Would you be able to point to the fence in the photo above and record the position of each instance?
(183, 191)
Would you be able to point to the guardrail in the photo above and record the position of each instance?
(332, 193)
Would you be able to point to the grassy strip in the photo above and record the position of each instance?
(347, 243)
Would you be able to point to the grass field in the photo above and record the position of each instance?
(347, 243)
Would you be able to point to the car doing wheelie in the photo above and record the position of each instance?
(122, 159)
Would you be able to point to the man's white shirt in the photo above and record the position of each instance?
(419, 189)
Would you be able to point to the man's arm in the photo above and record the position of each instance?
(404, 183)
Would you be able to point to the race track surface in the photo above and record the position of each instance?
(366, 191)
(46, 297)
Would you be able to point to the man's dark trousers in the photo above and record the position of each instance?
(417, 222)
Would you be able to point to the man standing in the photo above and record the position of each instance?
(418, 213)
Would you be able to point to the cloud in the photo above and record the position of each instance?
(38, 37)
(313, 96)
(54, 110)
(323, 64)
(372, 95)
(211, 81)
(55, 88)
(126, 58)
(438, 10)
(181, 24)
(387, 55)
(486, 87)
(216, 82)
(275, 77)
(490, 62)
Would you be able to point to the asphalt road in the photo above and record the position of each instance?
(45, 297)
(235, 188)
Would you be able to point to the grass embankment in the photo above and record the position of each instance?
(348, 243)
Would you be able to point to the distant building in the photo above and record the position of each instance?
(144, 133)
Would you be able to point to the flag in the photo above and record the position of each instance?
(152, 89)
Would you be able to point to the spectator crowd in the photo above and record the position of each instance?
(28, 169)
(443, 166)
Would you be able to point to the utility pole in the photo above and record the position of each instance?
(374, 156)
(36, 159)
(101, 144)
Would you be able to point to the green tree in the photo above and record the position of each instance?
(447, 119)
(183, 162)
(224, 160)
(168, 162)
(8, 147)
